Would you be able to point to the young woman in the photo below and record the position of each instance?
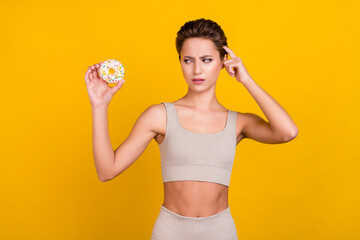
(197, 136)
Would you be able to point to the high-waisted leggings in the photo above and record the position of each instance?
(172, 226)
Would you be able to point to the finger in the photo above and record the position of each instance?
(226, 62)
(231, 72)
(95, 74)
(117, 86)
(230, 62)
(228, 50)
(87, 79)
(230, 69)
(98, 64)
(235, 60)
(91, 76)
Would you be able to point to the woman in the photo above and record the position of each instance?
(197, 136)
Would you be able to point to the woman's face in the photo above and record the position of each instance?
(200, 59)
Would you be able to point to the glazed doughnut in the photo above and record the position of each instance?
(111, 71)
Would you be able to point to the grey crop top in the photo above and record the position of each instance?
(190, 156)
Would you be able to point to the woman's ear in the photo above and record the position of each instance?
(224, 59)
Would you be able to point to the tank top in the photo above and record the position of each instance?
(190, 156)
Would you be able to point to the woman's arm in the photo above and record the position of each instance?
(146, 127)
(100, 95)
(280, 128)
(280, 123)
(109, 163)
(102, 149)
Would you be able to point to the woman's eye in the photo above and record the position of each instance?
(206, 60)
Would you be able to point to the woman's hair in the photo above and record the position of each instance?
(202, 28)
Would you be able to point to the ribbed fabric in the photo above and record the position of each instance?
(188, 155)
(172, 226)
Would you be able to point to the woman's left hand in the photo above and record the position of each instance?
(235, 66)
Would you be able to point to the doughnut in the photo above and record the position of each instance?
(111, 71)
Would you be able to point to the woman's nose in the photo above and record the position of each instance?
(197, 67)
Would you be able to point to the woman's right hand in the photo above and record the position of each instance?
(100, 93)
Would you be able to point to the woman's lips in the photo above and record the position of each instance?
(198, 80)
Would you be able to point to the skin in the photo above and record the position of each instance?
(197, 111)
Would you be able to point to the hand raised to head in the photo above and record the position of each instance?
(235, 66)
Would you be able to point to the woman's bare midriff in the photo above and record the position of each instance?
(195, 198)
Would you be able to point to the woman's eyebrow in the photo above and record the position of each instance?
(200, 57)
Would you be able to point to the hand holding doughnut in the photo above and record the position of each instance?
(111, 70)
(100, 93)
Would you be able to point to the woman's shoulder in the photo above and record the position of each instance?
(156, 110)
(154, 116)
(242, 117)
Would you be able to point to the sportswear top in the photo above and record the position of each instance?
(187, 155)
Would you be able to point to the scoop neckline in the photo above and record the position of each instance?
(199, 133)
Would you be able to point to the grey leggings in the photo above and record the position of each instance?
(172, 226)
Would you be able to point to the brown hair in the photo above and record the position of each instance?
(202, 28)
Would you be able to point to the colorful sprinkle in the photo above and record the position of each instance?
(117, 68)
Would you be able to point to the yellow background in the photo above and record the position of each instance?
(304, 53)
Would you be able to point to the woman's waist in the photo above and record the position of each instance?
(195, 198)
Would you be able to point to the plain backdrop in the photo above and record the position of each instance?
(305, 54)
